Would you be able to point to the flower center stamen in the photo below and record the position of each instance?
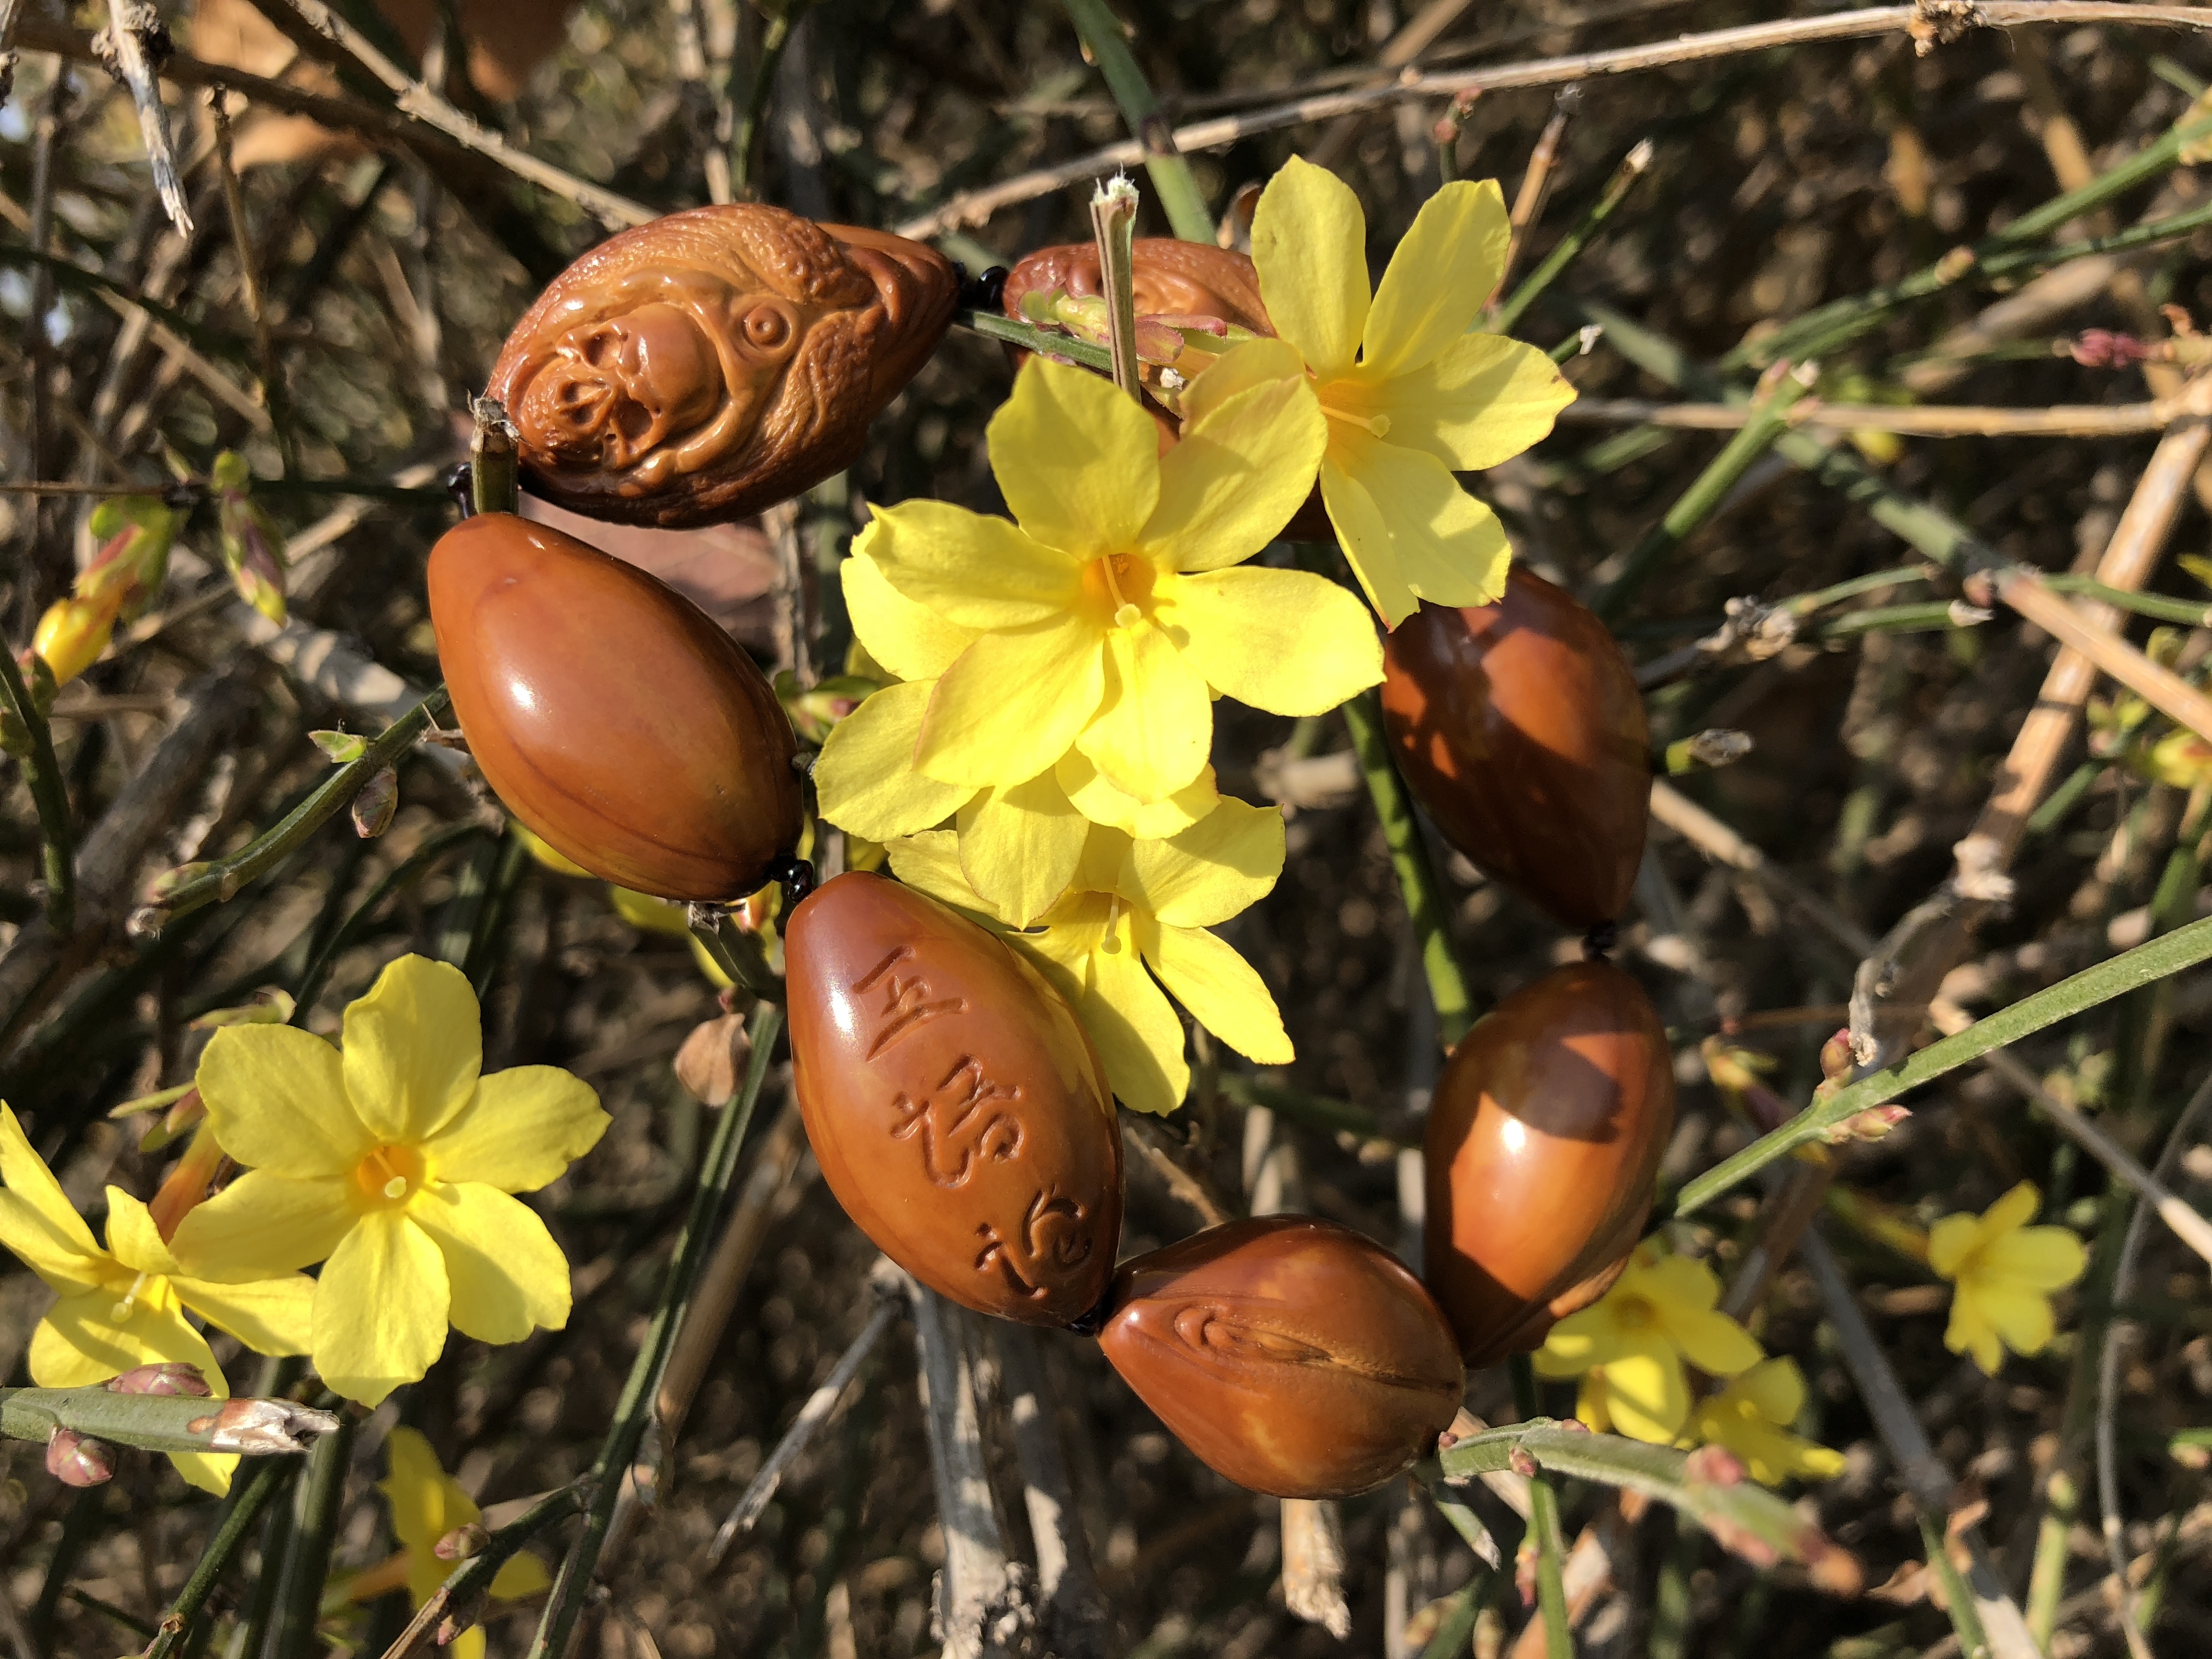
(1120, 584)
(388, 1175)
(121, 1312)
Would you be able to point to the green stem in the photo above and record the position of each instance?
(775, 35)
(2157, 606)
(481, 960)
(159, 1422)
(1544, 1527)
(1179, 196)
(1752, 440)
(1321, 1112)
(741, 956)
(315, 1528)
(494, 458)
(1631, 169)
(471, 1581)
(565, 1603)
(1456, 1629)
(195, 884)
(1409, 857)
(266, 1479)
(1114, 228)
(1934, 615)
(1958, 1600)
(2146, 963)
(1031, 337)
(1833, 324)
(400, 875)
(2046, 1578)
(48, 797)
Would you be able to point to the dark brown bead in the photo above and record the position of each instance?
(1519, 727)
(958, 1109)
(1291, 1355)
(1168, 278)
(1544, 1139)
(611, 714)
(715, 362)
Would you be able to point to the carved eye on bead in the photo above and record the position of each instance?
(768, 329)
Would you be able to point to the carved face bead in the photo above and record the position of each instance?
(1543, 1141)
(609, 714)
(1520, 728)
(954, 1103)
(1291, 1355)
(715, 362)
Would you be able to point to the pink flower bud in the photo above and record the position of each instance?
(1714, 1466)
(1870, 1125)
(78, 1459)
(463, 1542)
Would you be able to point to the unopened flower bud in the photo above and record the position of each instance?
(463, 1542)
(1523, 1462)
(78, 1459)
(1715, 1466)
(712, 1060)
(71, 635)
(1870, 1125)
(374, 807)
(1836, 1061)
(173, 1377)
(1524, 1571)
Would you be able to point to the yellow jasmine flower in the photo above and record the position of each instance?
(1108, 614)
(1135, 905)
(395, 1160)
(1019, 844)
(2005, 1271)
(1632, 1341)
(427, 1503)
(1410, 395)
(123, 1306)
(1752, 1417)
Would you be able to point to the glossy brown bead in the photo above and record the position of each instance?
(1520, 728)
(716, 361)
(1544, 1139)
(1167, 278)
(957, 1109)
(609, 714)
(1291, 1355)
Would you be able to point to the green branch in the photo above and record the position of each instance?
(469, 1586)
(1631, 169)
(2183, 948)
(1179, 196)
(48, 796)
(245, 1508)
(565, 1603)
(1746, 1517)
(163, 1422)
(1031, 337)
(190, 886)
(1409, 857)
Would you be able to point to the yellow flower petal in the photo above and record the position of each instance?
(51, 1226)
(1647, 1395)
(381, 1308)
(1969, 1333)
(1364, 534)
(1775, 1388)
(1950, 1241)
(910, 639)
(931, 864)
(27, 1231)
(264, 1223)
(1674, 1282)
(2021, 1318)
(270, 1315)
(1076, 459)
(1152, 732)
(82, 1340)
(649, 914)
(2037, 1258)
(133, 1239)
(1483, 400)
(1138, 1037)
(1095, 795)
(412, 1049)
(1220, 866)
(973, 571)
(2015, 1209)
(1713, 1342)
(278, 1099)
(1445, 546)
(1443, 273)
(505, 1275)
(1309, 242)
(1254, 363)
(1238, 474)
(1286, 641)
(865, 777)
(523, 1129)
(1020, 845)
(1590, 1405)
(1591, 1337)
(423, 1495)
(1012, 704)
(1222, 990)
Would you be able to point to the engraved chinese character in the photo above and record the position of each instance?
(905, 1002)
(951, 1119)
